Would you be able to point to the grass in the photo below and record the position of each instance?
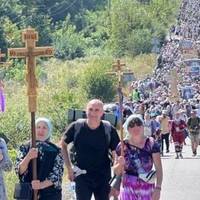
(142, 65)
(10, 180)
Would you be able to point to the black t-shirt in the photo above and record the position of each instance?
(91, 147)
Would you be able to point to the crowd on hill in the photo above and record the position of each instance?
(184, 35)
(189, 20)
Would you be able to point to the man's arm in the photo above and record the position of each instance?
(67, 160)
(67, 138)
(65, 153)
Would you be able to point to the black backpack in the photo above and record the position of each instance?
(77, 127)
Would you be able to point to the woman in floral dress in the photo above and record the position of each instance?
(49, 163)
(140, 154)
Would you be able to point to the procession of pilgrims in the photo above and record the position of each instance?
(99, 161)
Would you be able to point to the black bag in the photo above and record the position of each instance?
(23, 191)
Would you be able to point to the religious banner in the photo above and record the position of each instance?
(174, 93)
(188, 49)
(192, 67)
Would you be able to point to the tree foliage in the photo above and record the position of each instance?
(97, 83)
(135, 24)
(77, 30)
(88, 27)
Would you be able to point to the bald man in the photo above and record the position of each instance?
(91, 154)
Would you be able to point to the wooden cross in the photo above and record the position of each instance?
(120, 73)
(30, 52)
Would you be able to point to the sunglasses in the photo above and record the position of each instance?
(135, 122)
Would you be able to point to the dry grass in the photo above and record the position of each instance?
(142, 65)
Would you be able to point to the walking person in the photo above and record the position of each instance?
(177, 130)
(164, 120)
(5, 165)
(141, 153)
(194, 130)
(49, 163)
(91, 147)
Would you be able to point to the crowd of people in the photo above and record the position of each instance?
(151, 120)
(189, 20)
(184, 38)
(93, 139)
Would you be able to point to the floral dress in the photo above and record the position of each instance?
(49, 167)
(5, 165)
(137, 161)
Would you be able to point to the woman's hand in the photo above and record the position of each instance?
(39, 185)
(121, 161)
(1, 156)
(33, 153)
(36, 184)
(156, 194)
(119, 165)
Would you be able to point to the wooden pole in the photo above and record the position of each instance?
(30, 52)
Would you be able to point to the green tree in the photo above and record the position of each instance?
(12, 34)
(134, 24)
(68, 43)
(96, 82)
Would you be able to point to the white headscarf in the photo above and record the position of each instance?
(128, 120)
(49, 125)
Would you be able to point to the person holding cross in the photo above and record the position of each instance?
(92, 149)
(141, 153)
(49, 163)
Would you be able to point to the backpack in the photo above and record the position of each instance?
(77, 127)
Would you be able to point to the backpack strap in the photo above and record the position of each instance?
(107, 126)
(77, 127)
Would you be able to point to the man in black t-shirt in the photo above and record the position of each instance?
(91, 154)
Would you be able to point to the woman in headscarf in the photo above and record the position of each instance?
(5, 165)
(135, 166)
(49, 163)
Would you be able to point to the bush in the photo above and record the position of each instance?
(68, 43)
(96, 82)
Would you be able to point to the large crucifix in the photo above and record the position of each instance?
(30, 52)
(119, 72)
